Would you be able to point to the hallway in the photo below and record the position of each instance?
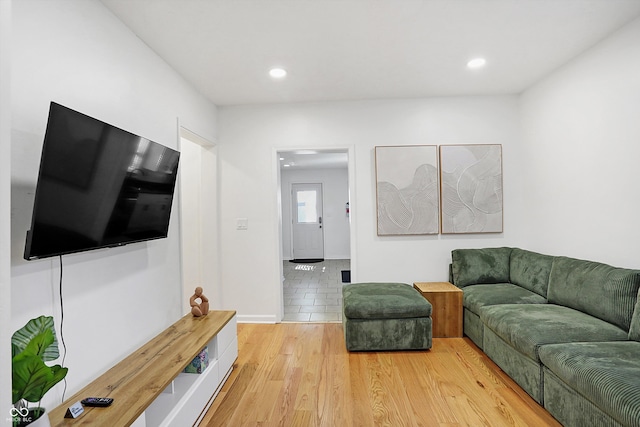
(313, 291)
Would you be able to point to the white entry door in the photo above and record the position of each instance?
(307, 229)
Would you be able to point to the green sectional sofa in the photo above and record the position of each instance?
(566, 330)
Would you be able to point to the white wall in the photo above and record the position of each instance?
(5, 203)
(335, 192)
(249, 136)
(582, 144)
(77, 53)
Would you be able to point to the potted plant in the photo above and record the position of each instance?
(31, 346)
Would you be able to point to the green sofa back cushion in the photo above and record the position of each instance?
(475, 266)
(530, 270)
(603, 291)
(634, 330)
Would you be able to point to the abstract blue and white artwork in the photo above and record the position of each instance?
(407, 189)
(471, 193)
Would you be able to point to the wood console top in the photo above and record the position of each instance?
(136, 381)
(436, 287)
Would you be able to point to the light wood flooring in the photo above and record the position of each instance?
(300, 374)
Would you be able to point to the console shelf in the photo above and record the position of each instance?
(149, 387)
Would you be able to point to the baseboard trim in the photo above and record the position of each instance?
(257, 319)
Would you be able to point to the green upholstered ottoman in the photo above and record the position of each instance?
(385, 316)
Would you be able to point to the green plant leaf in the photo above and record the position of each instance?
(30, 376)
(31, 346)
(32, 379)
(58, 373)
(23, 336)
(39, 343)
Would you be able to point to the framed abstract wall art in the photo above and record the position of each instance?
(407, 189)
(471, 188)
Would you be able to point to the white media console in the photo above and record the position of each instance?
(149, 386)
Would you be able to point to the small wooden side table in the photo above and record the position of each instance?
(446, 303)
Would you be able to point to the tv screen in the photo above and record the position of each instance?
(98, 186)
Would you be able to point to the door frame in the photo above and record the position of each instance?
(351, 173)
(208, 245)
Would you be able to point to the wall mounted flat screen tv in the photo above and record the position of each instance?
(98, 186)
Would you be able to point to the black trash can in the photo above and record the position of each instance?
(346, 276)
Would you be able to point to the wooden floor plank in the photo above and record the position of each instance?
(302, 375)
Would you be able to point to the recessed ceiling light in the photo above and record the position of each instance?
(476, 63)
(277, 73)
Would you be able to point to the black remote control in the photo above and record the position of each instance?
(97, 401)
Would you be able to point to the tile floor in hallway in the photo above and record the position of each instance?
(313, 291)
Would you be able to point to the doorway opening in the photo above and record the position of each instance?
(314, 193)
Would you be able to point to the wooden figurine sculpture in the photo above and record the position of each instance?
(202, 308)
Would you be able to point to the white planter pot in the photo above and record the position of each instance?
(43, 421)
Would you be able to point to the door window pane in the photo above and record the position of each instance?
(307, 209)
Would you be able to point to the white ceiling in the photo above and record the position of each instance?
(367, 49)
(337, 50)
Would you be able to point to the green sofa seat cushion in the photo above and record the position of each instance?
(477, 296)
(526, 327)
(605, 373)
(383, 301)
(473, 266)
